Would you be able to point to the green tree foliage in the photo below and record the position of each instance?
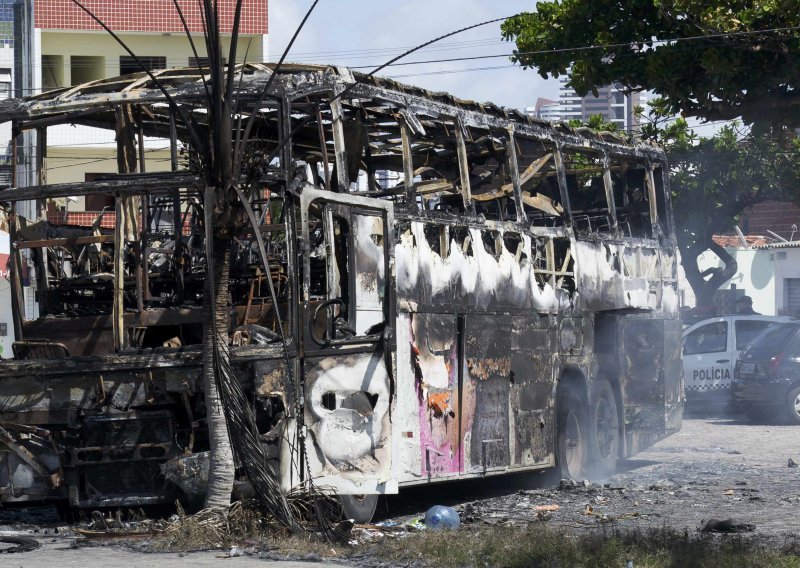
(711, 59)
(714, 179)
(754, 76)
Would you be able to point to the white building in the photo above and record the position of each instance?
(70, 48)
(768, 273)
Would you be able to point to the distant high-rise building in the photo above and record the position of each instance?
(545, 109)
(611, 103)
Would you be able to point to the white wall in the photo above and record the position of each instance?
(757, 275)
(76, 150)
(787, 265)
(174, 46)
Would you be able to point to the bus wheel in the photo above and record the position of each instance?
(572, 443)
(604, 428)
(360, 508)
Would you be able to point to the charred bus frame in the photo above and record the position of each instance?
(465, 291)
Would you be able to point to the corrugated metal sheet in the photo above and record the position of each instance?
(793, 295)
(778, 245)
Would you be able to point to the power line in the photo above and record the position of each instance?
(388, 50)
(461, 45)
(451, 71)
(172, 61)
(588, 47)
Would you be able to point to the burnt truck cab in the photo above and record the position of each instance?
(441, 290)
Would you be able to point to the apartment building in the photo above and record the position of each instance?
(614, 105)
(545, 109)
(50, 44)
(71, 48)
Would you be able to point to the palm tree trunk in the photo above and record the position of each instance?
(215, 309)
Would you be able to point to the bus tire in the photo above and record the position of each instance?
(572, 441)
(359, 508)
(604, 428)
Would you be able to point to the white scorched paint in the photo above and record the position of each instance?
(478, 274)
(608, 276)
(611, 276)
(344, 433)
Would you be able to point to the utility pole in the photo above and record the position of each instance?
(24, 145)
(25, 83)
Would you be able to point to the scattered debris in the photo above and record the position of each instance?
(233, 552)
(727, 526)
(190, 473)
(22, 544)
(440, 517)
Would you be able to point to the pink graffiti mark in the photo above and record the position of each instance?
(439, 423)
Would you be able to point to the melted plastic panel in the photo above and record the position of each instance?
(507, 380)
(347, 413)
(488, 380)
(532, 348)
(614, 276)
(407, 461)
(472, 274)
(479, 397)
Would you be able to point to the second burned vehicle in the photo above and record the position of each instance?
(464, 291)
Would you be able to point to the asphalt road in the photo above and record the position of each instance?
(59, 553)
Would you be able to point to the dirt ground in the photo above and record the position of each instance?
(716, 467)
(60, 554)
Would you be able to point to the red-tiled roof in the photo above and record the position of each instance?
(733, 241)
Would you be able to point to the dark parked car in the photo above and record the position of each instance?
(766, 381)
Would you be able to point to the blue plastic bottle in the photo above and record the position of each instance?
(440, 517)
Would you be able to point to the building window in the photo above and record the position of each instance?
(52, 71)
(85, 68)
(5, 83)
(203, 61)
(128, 64)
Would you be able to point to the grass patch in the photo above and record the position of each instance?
(242, 525)
(535, 546)
(480, 546)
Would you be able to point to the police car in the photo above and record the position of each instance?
(710, 350)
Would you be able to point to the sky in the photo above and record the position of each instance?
(359, 33)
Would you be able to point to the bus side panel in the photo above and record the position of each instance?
(407, 462)
(487, 382)
(435, 348)
(651, 380)
(531, 379)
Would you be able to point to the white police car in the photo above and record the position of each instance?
(710, 350)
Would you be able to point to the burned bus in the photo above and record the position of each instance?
(453, 290)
